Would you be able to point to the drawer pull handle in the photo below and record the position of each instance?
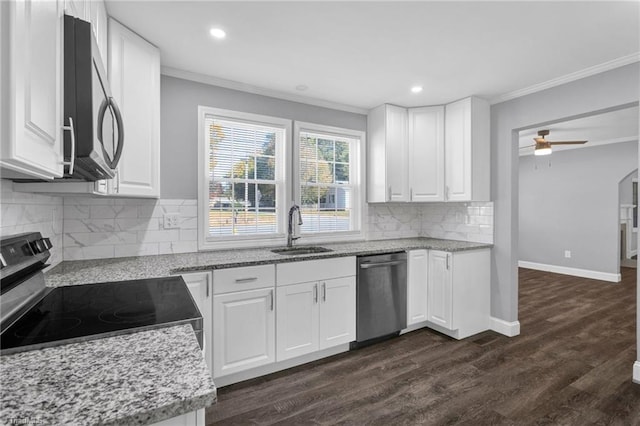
(246, 280)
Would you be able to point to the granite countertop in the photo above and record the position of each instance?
(137, 378)
(131, 268)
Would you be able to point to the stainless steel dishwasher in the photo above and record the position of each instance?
(381, 294)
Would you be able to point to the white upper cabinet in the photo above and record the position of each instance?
(426, 153)
(387, 153)
(134, 75)
(99, 23)
(467, 150)
(435, 153)
(31, 89)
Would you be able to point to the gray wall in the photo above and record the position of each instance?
(573, 205)
(597, 93)
(626, 188)
(179, 126)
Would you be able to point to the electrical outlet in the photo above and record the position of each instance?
(171, 220)
(567, 254)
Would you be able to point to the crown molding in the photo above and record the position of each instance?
(236, 85)
(596, 69)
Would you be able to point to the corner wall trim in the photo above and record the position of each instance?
(583, 273)
(636, 372)
(509, 329)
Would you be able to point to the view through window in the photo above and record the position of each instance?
(326, 184)
(242, 177)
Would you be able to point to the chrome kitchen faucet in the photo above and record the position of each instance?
(290, 236)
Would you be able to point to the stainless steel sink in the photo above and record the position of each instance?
(292, 251)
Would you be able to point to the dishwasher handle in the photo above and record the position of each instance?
(368, 265)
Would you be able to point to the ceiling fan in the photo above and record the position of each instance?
(543, 146)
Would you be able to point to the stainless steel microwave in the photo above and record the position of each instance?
(94, 132)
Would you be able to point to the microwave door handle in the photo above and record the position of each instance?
(72, 161)
(116, 111)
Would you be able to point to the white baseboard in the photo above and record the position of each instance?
(583, 273)
(636, 372)
(509, 329)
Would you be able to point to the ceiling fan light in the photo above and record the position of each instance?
(543, 151)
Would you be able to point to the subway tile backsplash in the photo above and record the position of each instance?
(94, 228)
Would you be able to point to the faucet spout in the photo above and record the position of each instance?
(294, 208)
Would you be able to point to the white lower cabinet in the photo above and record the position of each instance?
(458, 296)
(308, 312)
(337, 312)
(194, 418)
(417, 267)
(315, 315)
(244, 332)
(244, 319)
(200, 286)
(297, 320)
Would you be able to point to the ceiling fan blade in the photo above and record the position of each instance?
(528, 146)
(567, 142)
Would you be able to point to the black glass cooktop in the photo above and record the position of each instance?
(76, 313)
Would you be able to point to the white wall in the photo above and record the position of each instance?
(573, 205)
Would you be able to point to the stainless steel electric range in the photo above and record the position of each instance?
(33, 316)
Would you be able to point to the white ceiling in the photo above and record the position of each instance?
(611, 127)
(362, 54)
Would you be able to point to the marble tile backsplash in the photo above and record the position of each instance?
(113, 227)
(94, 228)
(471, 221)
(23, 212)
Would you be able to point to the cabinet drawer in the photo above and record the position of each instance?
(247, 278)
(315, 270)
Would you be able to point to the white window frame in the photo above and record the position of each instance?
(283, 187)
(356, 172)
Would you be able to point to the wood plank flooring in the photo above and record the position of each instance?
(571, 365)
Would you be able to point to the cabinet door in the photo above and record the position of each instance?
(243, 331)
(337, 311)
(426, 153)
(77, 8)
(32, 89)
(134, 75)
(297, 320)
(458, 151)
(397, 155)
(417, 275)
(439, 295)
(99, 18)
(200, 286)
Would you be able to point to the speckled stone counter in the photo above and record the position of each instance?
(131, 268)
(137, 378)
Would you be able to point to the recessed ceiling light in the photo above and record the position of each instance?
(217, 33)
(302, 87)
(416, 89)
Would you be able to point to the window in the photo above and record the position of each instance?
(244, 164)
(248, 179)
(328, 179)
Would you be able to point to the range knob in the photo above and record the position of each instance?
(37, 246)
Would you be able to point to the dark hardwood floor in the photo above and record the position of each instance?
(571, 365)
